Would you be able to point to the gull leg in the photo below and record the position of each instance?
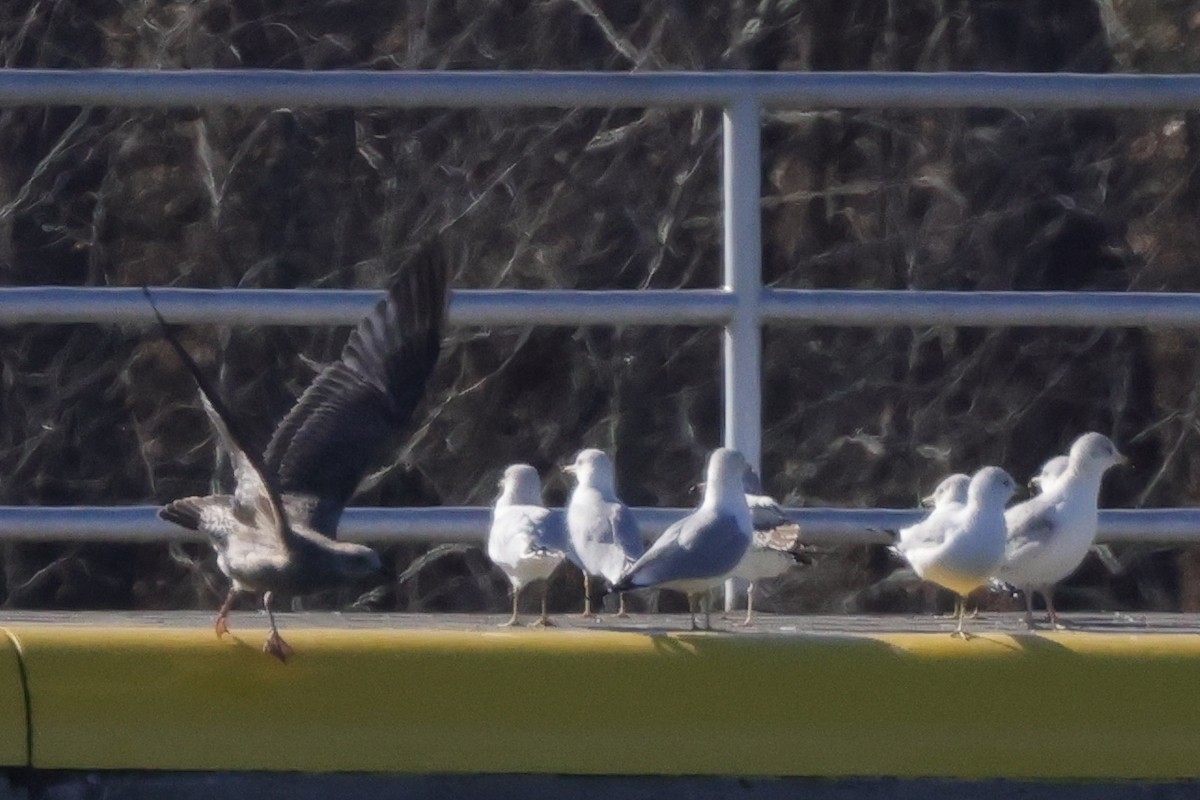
(1029, 623)
(749, 620)
(692, 611)
(275, 645)
(513, 622)
(706, 599)
(544, 620)
(587, 597)
(222, 622)
(621, 612)
(960, 608)
(1056, 622)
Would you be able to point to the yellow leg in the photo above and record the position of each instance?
(587, 597)
(749, 620)
(544, 620)
(513, 622)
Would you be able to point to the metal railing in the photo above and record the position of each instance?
(742, 306)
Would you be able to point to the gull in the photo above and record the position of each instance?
(526, 539)
(947, 499)
(1046, 479)
(1049, 475)
(604, 536)
(1048, 535)
(702, 549)
(276, 532)
(959, 546)
(772, 550)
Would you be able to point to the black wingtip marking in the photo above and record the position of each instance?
(183, 513)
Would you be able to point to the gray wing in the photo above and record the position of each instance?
(551, 532)
(628, 533)
(345, 421)
(929, 532)
(702, 545)
(256, 499)
(1030, 524)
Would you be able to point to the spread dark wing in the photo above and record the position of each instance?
(344, 422)
(255, 493)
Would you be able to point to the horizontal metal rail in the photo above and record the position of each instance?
(502, 307)
(840, 526)
(749, 91)
(187, 88)
(480, 307)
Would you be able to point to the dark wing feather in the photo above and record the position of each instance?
(253, 479)
(343, 423)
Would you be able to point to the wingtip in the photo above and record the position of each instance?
(183, 513)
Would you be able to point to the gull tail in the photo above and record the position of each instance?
(1004, 587)
(539, 551)
(184, 512)
(799, 557)
(623, 585)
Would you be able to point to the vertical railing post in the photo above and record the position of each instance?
(742, 169)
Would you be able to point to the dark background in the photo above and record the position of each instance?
(600, 198)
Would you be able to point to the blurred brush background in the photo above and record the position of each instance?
(600, 198)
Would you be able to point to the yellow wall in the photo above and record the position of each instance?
(594, 702)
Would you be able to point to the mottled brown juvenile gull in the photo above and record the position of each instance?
(701, 550)
(775, 548)
(526, 539)
(276, 532)
(605, 538)
(1049, 535)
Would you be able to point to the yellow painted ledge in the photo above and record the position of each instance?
(14, 730)
(1046, 706)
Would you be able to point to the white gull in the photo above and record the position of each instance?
(526, 539)
(1049, 535)
(960, 546)
(605, 538)
(701, 550)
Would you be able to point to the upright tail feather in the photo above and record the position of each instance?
(184, 512)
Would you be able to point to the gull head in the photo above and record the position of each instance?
(952, 489)
(358, 561)
(592, 468)
(520, 486)
(991, 487)
(723, 478)
(1094, 453)
(1051, 471)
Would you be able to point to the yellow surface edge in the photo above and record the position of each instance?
(1067, 705)
(14, 728)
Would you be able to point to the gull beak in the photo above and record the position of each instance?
(1033, 484)
(698, 488)
(927, 500)
(570, 469)
(1123, 460)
